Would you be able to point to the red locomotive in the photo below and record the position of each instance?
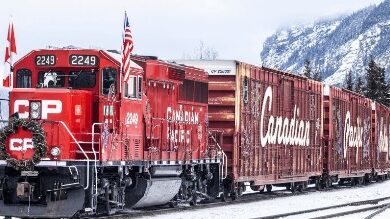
(83, 139)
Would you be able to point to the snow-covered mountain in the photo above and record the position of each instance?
(333, 46)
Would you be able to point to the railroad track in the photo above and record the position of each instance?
(378, 212)
(247, 198)
(375, 202)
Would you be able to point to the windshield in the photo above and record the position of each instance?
(82, 79)
(51, 79)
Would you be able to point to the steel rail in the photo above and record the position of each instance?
(247, 198)
(378, 212)
(357, 203)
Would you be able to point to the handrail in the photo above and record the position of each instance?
(95, 165)
(224, 158)
(81, 149)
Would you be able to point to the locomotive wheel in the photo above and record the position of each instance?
(194, 202)
(269, 188)
(173, 204)
(107, 197)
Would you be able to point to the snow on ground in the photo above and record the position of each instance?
(294, 203)
(288, 204)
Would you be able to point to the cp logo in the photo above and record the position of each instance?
(48, 107)
(20, 144)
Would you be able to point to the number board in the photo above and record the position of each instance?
(45, 60)
(83, 60)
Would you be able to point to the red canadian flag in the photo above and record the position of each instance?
(9, 50)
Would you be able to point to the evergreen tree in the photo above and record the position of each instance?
(317, 74)
(377, 88)
(307, 69)
(348, 81)
(359, 86)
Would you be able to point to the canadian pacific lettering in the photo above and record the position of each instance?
(283, 130)
(180, 131)
(131, 119)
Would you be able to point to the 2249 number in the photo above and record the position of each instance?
(83, 60)
(45, 60)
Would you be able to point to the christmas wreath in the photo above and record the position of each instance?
(38, 140)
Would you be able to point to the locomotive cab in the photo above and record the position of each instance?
(72, 96)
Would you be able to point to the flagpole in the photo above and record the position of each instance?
(11, 74)
(11, 70)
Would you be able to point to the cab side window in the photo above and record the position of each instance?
(133, 87)
(109, 78)
(23, 78)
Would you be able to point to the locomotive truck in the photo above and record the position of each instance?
(85, 138)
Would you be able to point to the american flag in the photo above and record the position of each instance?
(127, 49)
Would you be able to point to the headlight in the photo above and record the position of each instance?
(35, 105)
(35, 115)
(35, 110)
(55, 151)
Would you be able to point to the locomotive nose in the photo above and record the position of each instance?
(61, 113)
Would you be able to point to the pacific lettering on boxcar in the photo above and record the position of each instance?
(87, 138)
(380, 140)
(347, 140)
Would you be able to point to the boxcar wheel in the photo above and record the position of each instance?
(240, 190)
(293, 188)
(360, 181)
(318, 184)
(233, 196)
(269, 188)
(223, 198)
(353, 182)
(255, 188)
(300, 187)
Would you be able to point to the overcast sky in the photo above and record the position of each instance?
(165, 28)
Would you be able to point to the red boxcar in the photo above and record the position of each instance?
(270, 122)
(380, 139)
(347, 133)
